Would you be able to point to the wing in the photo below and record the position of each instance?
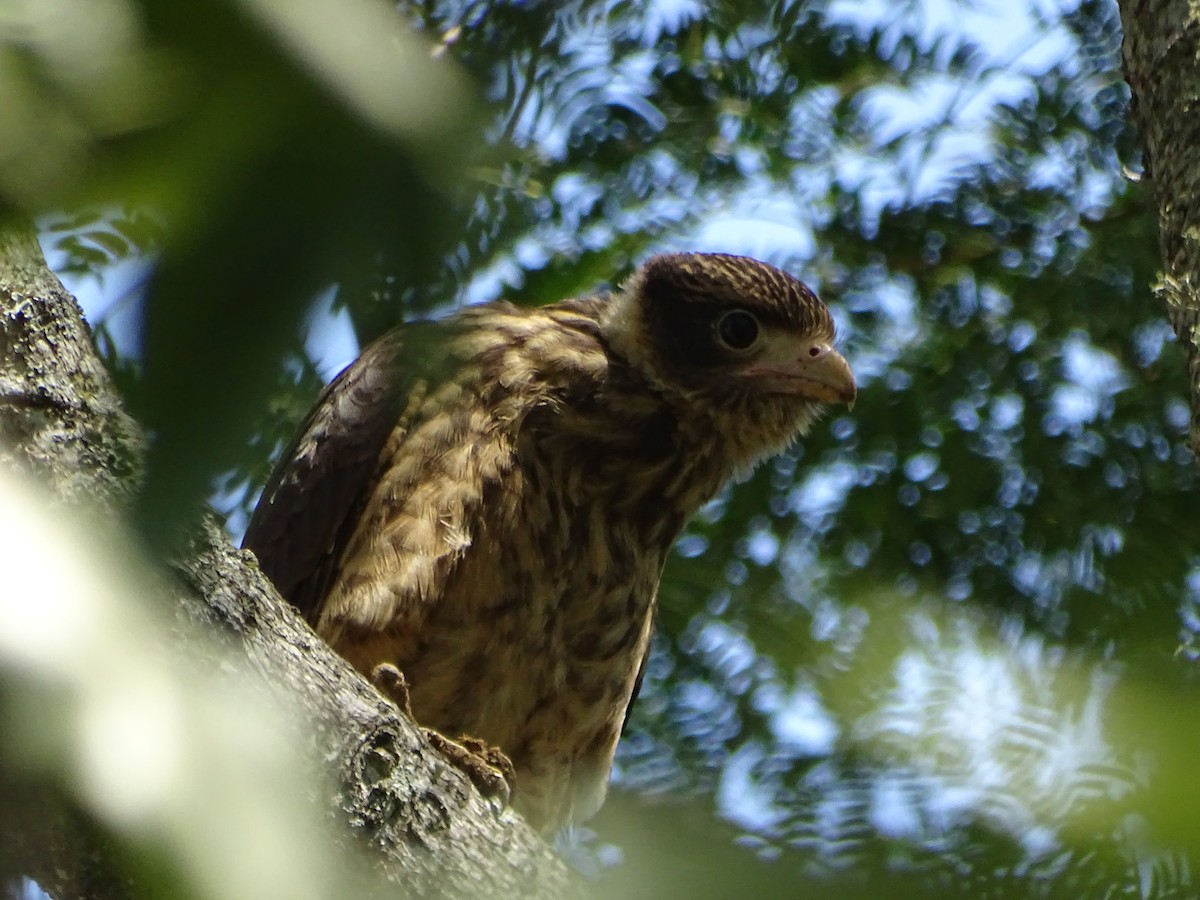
(319, 485)
(396, 472)
(637, 683)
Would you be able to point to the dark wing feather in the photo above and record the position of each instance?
(317, 489)
(637, 689)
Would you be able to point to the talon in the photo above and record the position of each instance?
(493, 755)
(488, 768)
(390, 682)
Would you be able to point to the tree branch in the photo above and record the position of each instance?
(1162, 66)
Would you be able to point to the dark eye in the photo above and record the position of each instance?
(738, 330)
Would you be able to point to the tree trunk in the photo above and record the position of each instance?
(427, 830)
(1162, 66)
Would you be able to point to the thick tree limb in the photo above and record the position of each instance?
(60, 418)
(428, 831)
(1162, 66)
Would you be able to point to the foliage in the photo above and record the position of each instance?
(972, 573)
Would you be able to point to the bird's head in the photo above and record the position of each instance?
(744, 341)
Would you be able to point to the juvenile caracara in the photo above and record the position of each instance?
(486, 502)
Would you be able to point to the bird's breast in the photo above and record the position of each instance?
(538, 640)
(546, 616)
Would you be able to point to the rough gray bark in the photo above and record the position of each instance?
(1162, 66)
(60, 418)
(429, 832)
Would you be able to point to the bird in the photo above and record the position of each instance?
(485, 502)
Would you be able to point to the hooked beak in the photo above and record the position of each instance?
(819, 373)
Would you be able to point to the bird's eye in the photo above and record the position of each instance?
(738, 330)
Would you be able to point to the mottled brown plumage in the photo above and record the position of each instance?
(487, 502)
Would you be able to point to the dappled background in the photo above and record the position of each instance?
(944, 646)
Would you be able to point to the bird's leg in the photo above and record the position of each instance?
(390, 682)
(489, 769)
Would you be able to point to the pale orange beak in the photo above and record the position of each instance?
(819, 372)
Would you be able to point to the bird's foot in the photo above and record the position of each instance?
(390, 682)
(489, 769)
